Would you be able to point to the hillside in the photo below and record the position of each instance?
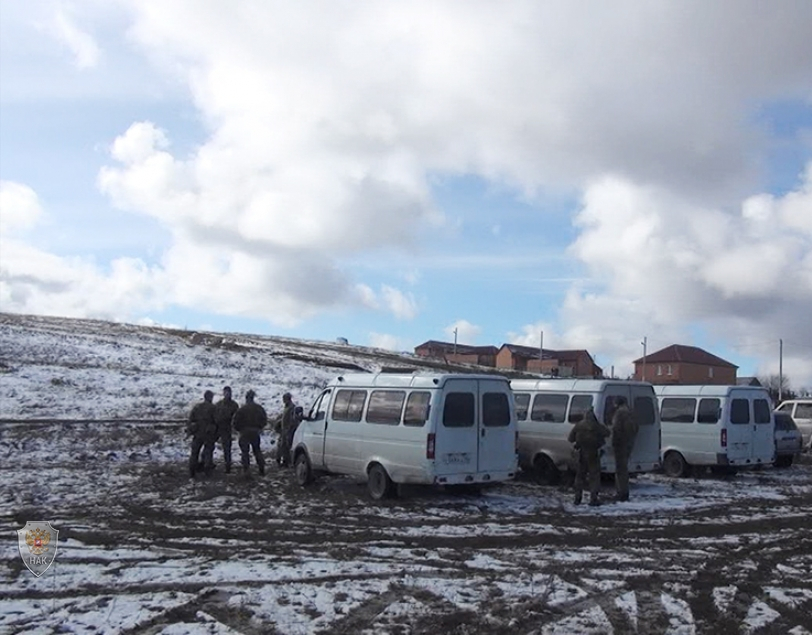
(61, 368)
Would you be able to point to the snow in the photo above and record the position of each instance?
(92, 440)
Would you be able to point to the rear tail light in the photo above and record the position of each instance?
(430, 446)
(723, 438)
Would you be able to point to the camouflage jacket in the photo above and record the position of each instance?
(588, 433)
(224, 413)
(201, 421)
(250, 417)
(624, 427)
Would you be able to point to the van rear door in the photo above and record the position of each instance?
(646, 453)
(739, 425)
(497, 427)
(763, 430)
(456, 443)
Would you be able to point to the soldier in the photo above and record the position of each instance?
(249, 420)
(287, 427)
(223, 414)
(624, 432)
(203, 430)
(587, 437)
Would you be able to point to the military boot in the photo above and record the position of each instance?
(593, 501)
(577, 499)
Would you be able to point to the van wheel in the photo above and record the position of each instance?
(674, 465)
(378, 482)
(303, 471)
(783, 461)
(545, 471)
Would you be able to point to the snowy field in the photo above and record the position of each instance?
(92, 441)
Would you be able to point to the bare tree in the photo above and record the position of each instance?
(772, 384)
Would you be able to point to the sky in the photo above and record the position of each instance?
(601, 173)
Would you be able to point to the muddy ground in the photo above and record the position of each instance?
(144, 549)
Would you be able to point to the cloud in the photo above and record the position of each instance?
(665, 264)
(388, 342)
(20, 208)
(86, 52)
(466, 333)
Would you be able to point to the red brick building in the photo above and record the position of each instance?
(679, 364)
(458, 353)
(567, 363)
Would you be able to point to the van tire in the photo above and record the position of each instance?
(378, 482)
(674, 465)
(783, 461)
(545, 471)
(303, 470)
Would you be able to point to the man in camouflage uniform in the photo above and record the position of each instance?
(249, 420)
(286, 429)
(223, 414)
(624, 432)
(588, 437)
(203, 430)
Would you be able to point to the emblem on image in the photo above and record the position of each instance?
(37, 544)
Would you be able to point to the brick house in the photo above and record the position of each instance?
(458, 353)
(567, 363)
(679, 364)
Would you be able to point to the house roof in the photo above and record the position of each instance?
(462, 349)
(687, 354)
(532, 352)
(529, 351)
(747, 381)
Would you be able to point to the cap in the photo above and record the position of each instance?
(250, 394)
(287, 395)
(208, 394)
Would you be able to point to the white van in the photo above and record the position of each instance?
(448, 429)
(724, 427)
(546, 409)
(801, 411)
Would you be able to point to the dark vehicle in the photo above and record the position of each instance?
(788, 440)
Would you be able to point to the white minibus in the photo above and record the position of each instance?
(546, 409)
(456, 430)
(723, 427)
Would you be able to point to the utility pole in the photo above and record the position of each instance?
(780, 370)
(541, 353)
(644, 343)
(455, 340)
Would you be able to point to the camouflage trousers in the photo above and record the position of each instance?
(587, 468)
(622, 454)
(225, 438)
(250, 441)
(198, 444)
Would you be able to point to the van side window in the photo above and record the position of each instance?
(740, 411)
(349, 405)
(417, 409)
(643, 411)
(522, 403)
(787, 407)
(549, 407)
(495, 410)
(803, 411)
(761, 411)
(458, 410)
(678, 409)
(708, 411)
(608, 409)
(579, 404)
(385, 406)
